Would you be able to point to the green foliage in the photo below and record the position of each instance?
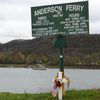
(72, 60)
(20, 58)
(29, 59)
(70, 95)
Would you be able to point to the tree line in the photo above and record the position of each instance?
(53, 60)
(20, 58)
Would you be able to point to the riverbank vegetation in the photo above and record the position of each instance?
(70, 95)
(81, 51)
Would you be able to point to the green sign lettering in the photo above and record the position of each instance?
(68, 18)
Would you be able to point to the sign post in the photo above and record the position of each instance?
(60, 20)
(62, 70)
(61, 60)
(60, 42)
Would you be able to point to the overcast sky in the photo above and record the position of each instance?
(15, 17)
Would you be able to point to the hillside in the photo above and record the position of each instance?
(80, 49)
(76, 44)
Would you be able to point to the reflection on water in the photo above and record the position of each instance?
(21, 80)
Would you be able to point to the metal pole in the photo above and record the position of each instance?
(61, 90)
(61, 60)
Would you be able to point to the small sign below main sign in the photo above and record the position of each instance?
(64, 19)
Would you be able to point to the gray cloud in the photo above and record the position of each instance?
(94, 7)
(13, 2)
(14, 20)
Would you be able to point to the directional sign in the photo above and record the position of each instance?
(68, 18)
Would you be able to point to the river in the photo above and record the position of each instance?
(20, 80)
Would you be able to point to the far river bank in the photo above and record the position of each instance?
(51, 66)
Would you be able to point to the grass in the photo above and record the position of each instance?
(70, 95)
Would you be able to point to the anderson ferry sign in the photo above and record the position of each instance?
(60, 20)
(69, 18)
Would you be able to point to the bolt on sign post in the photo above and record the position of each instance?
(60, 20)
